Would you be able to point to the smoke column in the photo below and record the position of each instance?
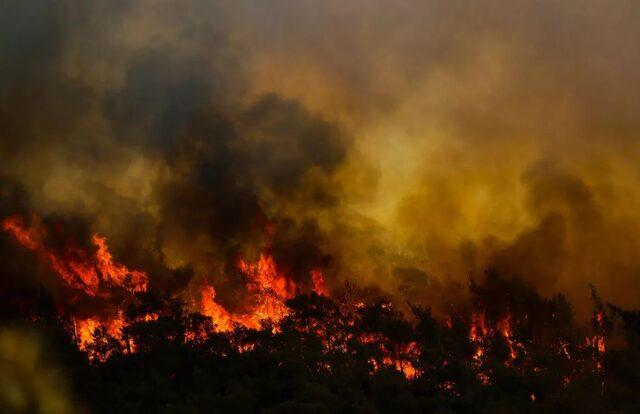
(405, 147)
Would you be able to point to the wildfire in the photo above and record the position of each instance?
(264, 277)
(223, 320)
(116, 273)
(477, 334)
(28, 237)
(504, 327)
(269, 288)
(87, 272)
(402, 361)
(318, 283)
(86, 330)
(597, 341)
(96, 274)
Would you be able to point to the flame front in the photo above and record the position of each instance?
(92, 273)
(97, 275)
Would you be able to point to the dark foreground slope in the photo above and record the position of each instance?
(509, 351)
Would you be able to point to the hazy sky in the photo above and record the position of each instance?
(388, 143)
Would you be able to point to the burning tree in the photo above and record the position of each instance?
(345, 349)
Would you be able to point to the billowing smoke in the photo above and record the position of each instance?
(404, 147)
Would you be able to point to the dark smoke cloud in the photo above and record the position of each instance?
(157, 148)
(405, 147)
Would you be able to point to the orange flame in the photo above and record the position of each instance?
(264, 276)
(401, 361)
(209, 307)
(269, 288)
(477, 333)
(480, 332)
(318, 283)
(598, 342)
(85, 330)
(504, 327)
(77, 268)
(116, 273)
(28, 237)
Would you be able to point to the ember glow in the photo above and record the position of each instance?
(477, 334)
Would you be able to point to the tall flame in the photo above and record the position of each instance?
(477, 334)
(223, 320)
(269, 288)
(318, 283)
(88, 272)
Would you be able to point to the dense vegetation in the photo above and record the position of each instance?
(332, 356)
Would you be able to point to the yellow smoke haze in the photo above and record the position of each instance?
(29, 382)
(459, 136)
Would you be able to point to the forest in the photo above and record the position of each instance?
(509, 351)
